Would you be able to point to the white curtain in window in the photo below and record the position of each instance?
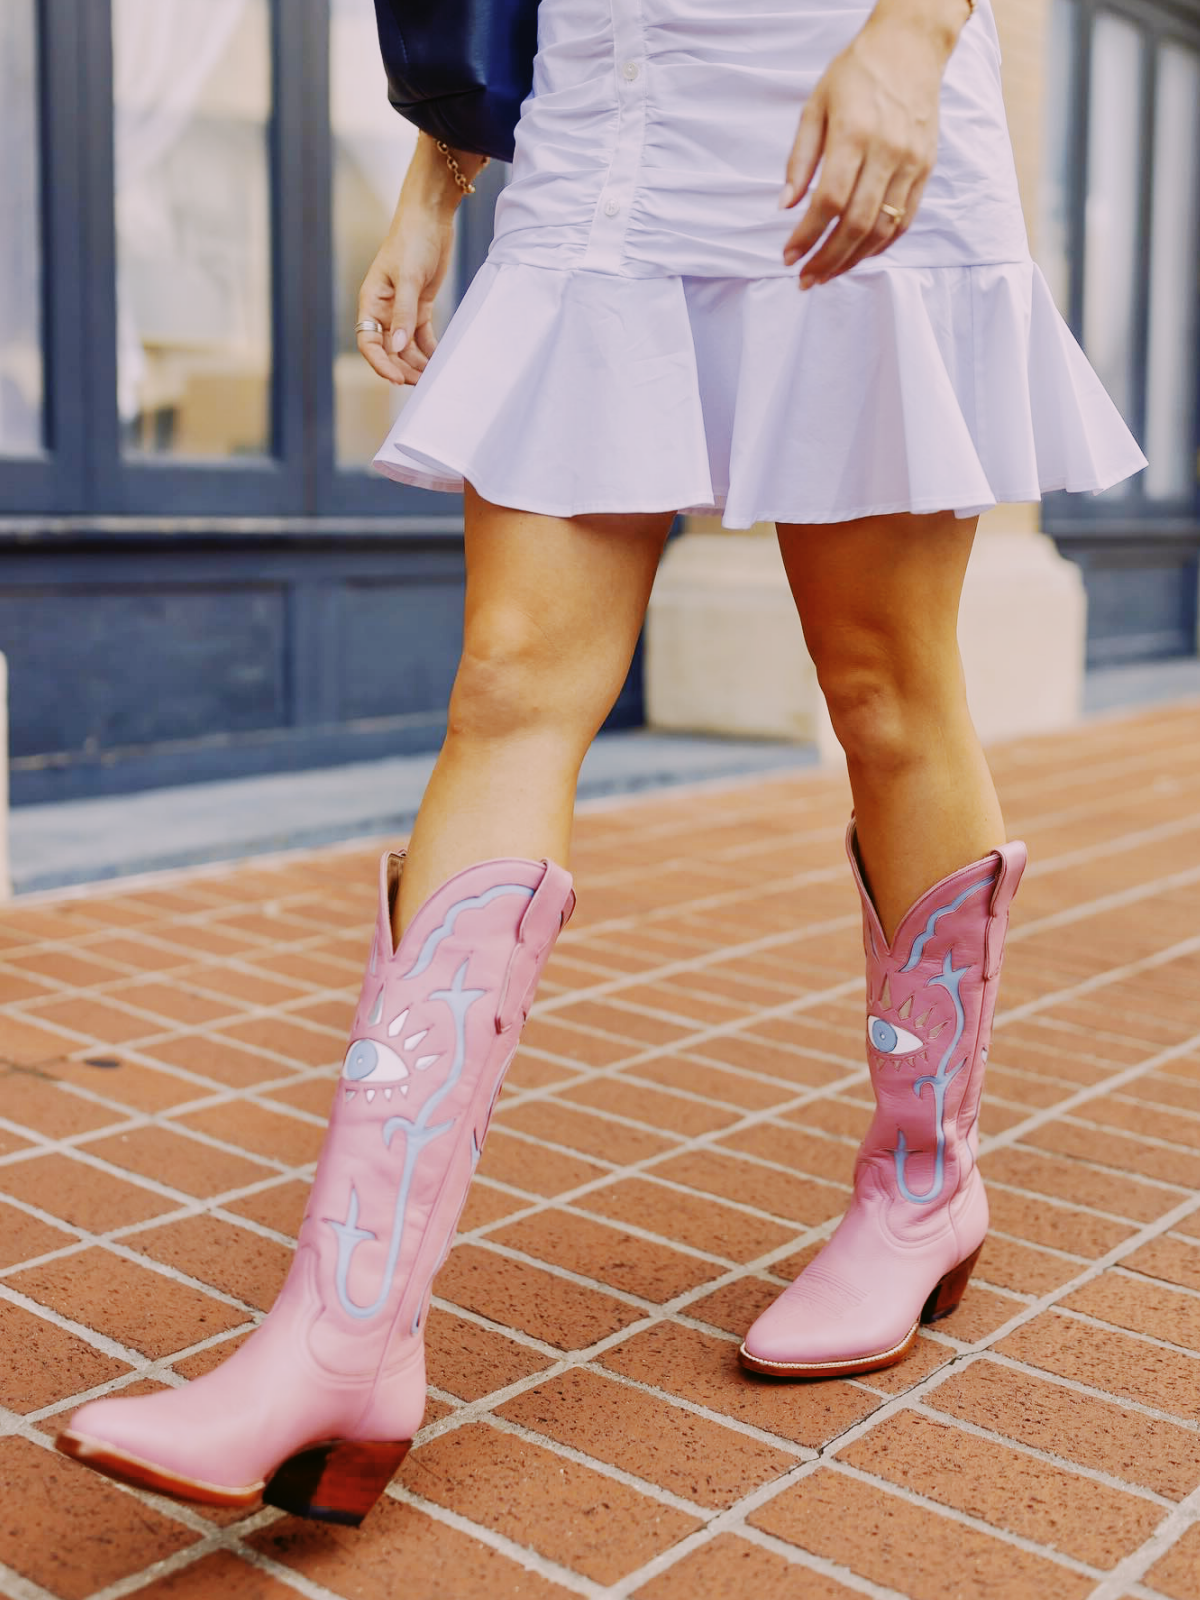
(1110, 261)
(381, 142)
(164, 52)
(1174, 258)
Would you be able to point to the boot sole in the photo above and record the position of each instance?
(942, 1300)
(335, 1482)
(111, 1462)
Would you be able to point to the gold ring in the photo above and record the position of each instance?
(368, 325)
(895, 212)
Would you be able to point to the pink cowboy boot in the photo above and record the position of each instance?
(315, 1411)
(905, 1249)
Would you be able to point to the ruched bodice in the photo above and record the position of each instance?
(634, 341)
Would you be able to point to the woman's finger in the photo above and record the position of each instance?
(413, 356)
(858, 220)
(806, 152)
(371, 348)
(377, 302)
(881, 237)
(425, 338)
(892, 223)
(909, 203)
(839, 174)
(406, 295)
(864, 225)
(406, 350)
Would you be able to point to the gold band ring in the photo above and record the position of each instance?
(895, 212)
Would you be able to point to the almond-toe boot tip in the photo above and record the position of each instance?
(780, 1361)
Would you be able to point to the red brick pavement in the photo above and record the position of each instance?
(675, 1140)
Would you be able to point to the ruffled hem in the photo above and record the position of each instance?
(893, 389)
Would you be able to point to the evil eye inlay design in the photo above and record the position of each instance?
(368, 1059)
(890, 1040)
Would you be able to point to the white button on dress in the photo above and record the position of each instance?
(634, 341)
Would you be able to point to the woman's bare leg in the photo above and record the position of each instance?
(878, 599)
(554, 607)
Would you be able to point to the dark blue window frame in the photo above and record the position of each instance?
(1160, 21)
(81, 471)
(1140, 556)
(52, 478)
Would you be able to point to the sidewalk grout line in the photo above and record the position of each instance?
(14, 1587)
(964, 1519)
(527, 1557)
(1064, 1463)
(1077, 1386)
(1135, 1565)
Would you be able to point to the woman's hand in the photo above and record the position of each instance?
(871, 124)
(404, 278)
(399, 290)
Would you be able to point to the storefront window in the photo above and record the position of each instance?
(372, 147)
(1174, 263)
(1110, 232)
(192, 102)
(21, 379)
(1054, 197)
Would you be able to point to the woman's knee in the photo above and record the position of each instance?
(885, 705)
(514, 677)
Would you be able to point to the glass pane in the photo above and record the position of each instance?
(1054, 196)
(192, 99)
(20, 254)
(1174, 266)
(372, 147)
(1110, 245)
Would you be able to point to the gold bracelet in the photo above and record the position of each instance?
(460, 177)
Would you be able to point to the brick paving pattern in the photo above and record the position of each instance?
(675, 1140)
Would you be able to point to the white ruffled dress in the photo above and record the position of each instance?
(634, 342)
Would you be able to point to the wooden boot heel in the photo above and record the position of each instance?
(337, 1482)
(949, 1290)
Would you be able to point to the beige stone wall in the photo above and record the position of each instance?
(1022, 28)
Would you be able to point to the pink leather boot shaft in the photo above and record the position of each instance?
(341, 1354)
(919, 1212)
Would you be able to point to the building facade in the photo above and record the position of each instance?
(1104, 105)
(199, 574)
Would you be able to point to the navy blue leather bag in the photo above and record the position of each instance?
(460, 69)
